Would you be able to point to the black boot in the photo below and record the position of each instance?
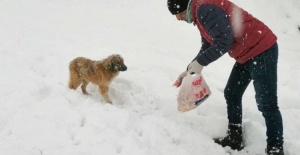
(274, 151)
(234, 138)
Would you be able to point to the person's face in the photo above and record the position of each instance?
(181, 16)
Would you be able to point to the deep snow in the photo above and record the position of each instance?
(41, 116)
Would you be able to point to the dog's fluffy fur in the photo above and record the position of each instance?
(101, 73)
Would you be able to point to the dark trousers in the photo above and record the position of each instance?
(262, 69)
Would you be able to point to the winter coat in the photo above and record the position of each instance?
(225, 27)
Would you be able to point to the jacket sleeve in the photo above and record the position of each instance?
(217, 25)
(205, 44)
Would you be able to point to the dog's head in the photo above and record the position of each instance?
(116, 63)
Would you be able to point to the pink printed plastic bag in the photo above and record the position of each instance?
(193, 92)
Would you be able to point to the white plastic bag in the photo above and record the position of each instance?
(193, 92)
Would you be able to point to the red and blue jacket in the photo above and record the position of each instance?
(225, 27)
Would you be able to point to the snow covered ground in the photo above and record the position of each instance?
(41, 116)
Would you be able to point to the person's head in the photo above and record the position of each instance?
(178, 8)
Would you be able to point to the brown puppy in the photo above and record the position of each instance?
(101, 73)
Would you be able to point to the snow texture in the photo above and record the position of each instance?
(40, 115)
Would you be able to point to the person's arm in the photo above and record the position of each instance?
(205, 44)
(217, 24)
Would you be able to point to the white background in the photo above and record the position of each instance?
(39, 115)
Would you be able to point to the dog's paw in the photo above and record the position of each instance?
(85, 93)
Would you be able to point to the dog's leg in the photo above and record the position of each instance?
(83, 87)
(104, 92)
(74, 80)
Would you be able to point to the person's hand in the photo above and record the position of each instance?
(194, 67)
(178, 82)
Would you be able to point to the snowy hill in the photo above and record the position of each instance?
(41, 116)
